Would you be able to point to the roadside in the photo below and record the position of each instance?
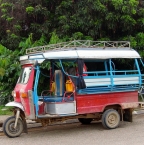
(31, 123)
(3, 118)
(69, 134)
(5, 112)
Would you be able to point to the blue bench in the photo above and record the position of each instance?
(106, 84)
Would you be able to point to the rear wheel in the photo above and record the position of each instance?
(85, 120)
(8, 127)
(110, 119)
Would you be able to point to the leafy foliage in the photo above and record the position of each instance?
(70, 19)
(9, 72)
(30, 10)
(26, 24)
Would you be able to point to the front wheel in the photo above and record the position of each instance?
(85, 120)
(110, 119)
(8, 127)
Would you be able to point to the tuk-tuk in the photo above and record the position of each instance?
(85, 80)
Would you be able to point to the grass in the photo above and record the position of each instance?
(5, 110)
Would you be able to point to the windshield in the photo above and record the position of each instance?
(24, 76)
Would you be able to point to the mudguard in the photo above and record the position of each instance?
(15, 104)
(19, 105)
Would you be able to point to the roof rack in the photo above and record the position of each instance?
(79, 44)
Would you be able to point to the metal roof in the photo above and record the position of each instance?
(87, 53)
(85, 49)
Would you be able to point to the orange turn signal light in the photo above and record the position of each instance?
(24, 95)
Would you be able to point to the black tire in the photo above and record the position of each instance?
(110, 119)
(8, 127)
(85, 120)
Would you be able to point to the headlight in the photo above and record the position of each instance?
(14, 94)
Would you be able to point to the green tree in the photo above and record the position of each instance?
(70, 19)
(9, 72)
(25, 24)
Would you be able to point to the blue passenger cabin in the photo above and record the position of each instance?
(102, 59)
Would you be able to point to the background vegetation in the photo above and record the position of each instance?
(28, 23)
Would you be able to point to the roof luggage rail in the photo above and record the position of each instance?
(79, 44)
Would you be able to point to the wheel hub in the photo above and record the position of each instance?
(112, 119)
(12, 129)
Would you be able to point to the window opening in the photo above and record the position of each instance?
(24, 76)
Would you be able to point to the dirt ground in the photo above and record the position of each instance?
(76, 134)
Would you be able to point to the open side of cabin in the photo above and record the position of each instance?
(104, 83)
